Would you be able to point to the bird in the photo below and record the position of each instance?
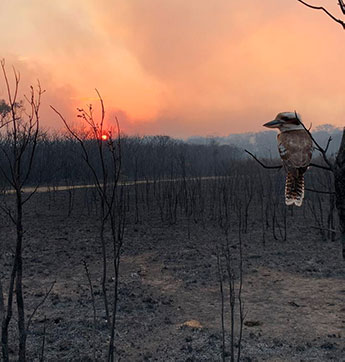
(295, 148)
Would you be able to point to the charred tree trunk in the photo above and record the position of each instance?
(20, 135)
(339, 165)
(19, 279)
(339, 183)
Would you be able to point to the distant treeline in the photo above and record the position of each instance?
(59, 159)
(264, 144)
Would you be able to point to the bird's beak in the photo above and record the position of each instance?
(273, 124)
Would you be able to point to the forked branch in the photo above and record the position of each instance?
(323, 151)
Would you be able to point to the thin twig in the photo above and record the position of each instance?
(43, 340)
(320, 166)
(328, 143)
(39, 304)
(325, 229)
(221, 290)
(94, 310)
(2, 304)
(240, 288)
(30, 195)
(320, 192)
(86, 157)
(8, 212)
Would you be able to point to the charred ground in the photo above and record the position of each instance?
(169, 300)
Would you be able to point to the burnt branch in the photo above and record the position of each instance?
(279, 167)
(94, 310)
(324, 229)
(39, 304)
(338, 167)
(342, 7)
(323, 151)
(328, 143)
(85, 153)
(320, 166)
(320, 192)
(30, 195)
(262, 164)
(2, 303)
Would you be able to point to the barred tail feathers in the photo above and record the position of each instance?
(294, 189)
(289, 195)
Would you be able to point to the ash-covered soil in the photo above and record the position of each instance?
(169, 299)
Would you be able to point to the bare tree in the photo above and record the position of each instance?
(230, 271)
(19, 135)
(339, 183)
(338, 167)
(105, 170)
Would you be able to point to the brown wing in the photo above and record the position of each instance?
(295, 148)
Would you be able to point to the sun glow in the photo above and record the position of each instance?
(104, 137)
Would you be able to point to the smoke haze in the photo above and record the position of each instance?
(178, 67)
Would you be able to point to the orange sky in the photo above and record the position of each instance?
(177, 67)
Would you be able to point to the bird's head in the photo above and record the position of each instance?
(285, 121)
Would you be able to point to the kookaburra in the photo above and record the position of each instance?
(295, 148)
